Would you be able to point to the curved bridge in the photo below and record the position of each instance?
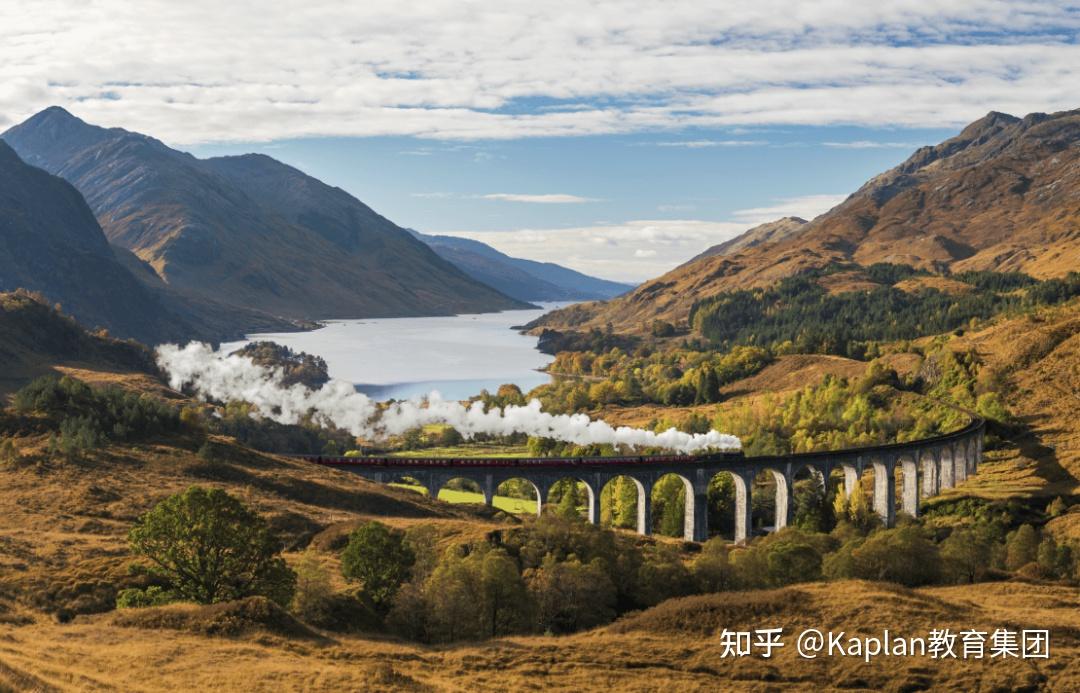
(926, 466)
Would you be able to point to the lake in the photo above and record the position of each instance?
(400, 358)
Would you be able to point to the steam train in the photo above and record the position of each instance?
(619, 460)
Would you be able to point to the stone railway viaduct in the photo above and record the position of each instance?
(926, 467)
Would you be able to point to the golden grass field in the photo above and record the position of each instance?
(672, 647)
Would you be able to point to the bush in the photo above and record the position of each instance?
(903, 555)
(153, 595)
(210, 548)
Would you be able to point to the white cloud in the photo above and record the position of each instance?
(253, 71)
(632, 251)
(869, 144)
(805, 206)
(704, 144)
(551, 199)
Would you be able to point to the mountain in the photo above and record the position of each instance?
(1004, 194)
(525, 280)
(248, 230)
(769, 232)
(51, 243)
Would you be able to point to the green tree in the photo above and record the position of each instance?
(902, 555)
(965, 555)
(792, 561)
(570, 595)
(504, 598)
(662, 575)
(211, 548)
(1021, 547)
(450, 596)
(712, 570)
(380, 558)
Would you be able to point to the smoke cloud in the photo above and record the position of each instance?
(231, 378)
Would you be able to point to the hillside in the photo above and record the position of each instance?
(36, 339)
(769, 232)
(674, 646)
(525, 280)
(247, 230)
(1003, 195)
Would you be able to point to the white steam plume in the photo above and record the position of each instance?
(228, 378)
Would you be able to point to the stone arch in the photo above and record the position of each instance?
(529, 484)
(689, 506)
(763, 477)
(445, 486)
(818, 485)
(727, 504)
(592, 497)
(641, 520)
(418, 482)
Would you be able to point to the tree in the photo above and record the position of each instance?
(965, 555)
(450, 595)
(902, 555)
(570, 595)
(211, 548)
(712, 570)
(380, 558)
(662, 575)
(313, 600)
(505, 599)
(792, 561)
(1021, 547)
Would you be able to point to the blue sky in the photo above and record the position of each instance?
(619, 137)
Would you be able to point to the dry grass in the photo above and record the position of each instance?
(665, 648)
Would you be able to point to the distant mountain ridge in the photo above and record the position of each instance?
(769, 232)
(1003, 194)
(248, 230)
(51, 243)
(525, 280)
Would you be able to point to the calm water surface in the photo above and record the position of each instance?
(399, 358)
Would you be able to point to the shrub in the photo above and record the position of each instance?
(903, 555)
(209, 547)
(9, 454)
(154, 595)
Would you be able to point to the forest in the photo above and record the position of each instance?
(799, 315)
